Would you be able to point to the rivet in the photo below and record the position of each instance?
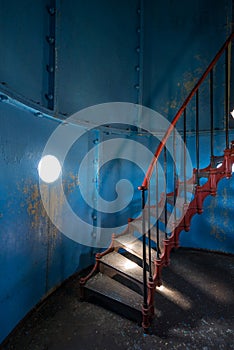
(138, 49)
(138, 30)
(49, 97)
(51, 10)
(94, 217)
(95, 141)
(137, 68)
(137, 86)
(38, 114)
(3, 97)
(50, 69)
(50, 40)
(138, 11)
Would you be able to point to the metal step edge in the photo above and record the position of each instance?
(119, 242)
(110, 261)
(179, 202)
(108, 288)
(137, 226)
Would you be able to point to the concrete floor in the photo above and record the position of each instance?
(195, 310)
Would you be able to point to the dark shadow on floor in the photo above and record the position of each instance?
(195, 310)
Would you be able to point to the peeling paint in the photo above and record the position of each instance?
(189, 80)
(31, 200)
(71, 184)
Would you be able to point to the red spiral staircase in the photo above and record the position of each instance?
(125, 276)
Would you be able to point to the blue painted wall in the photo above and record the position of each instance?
(34, 255)
(24, 50)
(101, 56)
(180, 40)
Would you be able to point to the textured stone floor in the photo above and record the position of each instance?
(194, 310)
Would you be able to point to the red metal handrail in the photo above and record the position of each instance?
(145, 183)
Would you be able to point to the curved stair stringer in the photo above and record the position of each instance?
(194, 207)
(98, 257)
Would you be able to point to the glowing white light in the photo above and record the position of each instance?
(161, 288)
(232, 113)
(49, 168)
(220, 164)
(175, 296)
(129, 265)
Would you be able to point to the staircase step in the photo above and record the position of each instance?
(179, 202)
(137, 227)
(113, 295)
(190, 187)
(161, 212)
(132, 245)
(170, 217)
(123, 265)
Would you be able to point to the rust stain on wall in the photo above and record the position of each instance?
(216, 231)
(34, 204)
(72, 183)
(190, 79)
(53, 198)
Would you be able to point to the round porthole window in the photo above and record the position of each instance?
(49, 168)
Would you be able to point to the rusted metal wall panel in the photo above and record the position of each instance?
(34, 256)
(181, 38)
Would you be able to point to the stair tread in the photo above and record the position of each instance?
(161, 212)
(123, 265)
(137, 225)
(108, 287)
(190, 187)
(133, 245)
(179, 201)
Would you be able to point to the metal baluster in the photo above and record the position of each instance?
(165, 175)
(211, 115)
(174, 171)
(157, 213)
(145, 302)
(185, 156)
(149, 236)
(197, 138)
(227, 92)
